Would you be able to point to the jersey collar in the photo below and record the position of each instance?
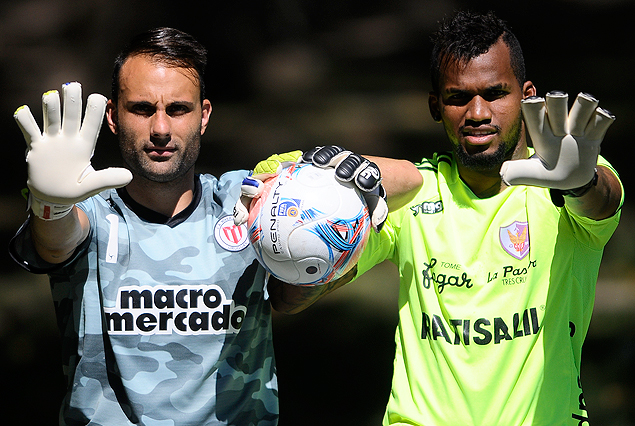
(159, 218)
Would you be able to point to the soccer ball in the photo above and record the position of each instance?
(308, 228)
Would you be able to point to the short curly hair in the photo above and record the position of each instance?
(468, 35)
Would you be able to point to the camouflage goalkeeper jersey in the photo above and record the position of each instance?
(165, 321)
(495, 301)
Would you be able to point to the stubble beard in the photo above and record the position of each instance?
(159, 171)
(490, 162)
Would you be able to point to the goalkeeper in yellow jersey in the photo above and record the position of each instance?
(499, 249)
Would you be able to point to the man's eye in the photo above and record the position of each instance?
(173, 110)
(457, 99)
(495, 94)
(143, 109)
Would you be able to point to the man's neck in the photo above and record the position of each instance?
(167, 198)
(483, 184)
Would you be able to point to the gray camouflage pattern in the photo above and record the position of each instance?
(188, 324)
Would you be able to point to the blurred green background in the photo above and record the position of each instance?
(293, 74)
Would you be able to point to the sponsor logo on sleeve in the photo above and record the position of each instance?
(427, 207)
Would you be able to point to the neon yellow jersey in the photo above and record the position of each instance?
(495, 301)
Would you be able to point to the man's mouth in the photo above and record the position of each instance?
(160, 152)
(479, 136)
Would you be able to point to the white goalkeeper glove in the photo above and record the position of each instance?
(253, 186)
(351, 167)
(566, 145)
(58, 159)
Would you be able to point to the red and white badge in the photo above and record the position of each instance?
(229, 236)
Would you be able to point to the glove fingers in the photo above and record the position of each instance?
(368, 176)
(557, 111)
(534, 110)
(27, 124)
(252, 186)
(377, 207)
(380, 213)
(327, 156)
(270, 165)
(241, 211)
(583, 108)
(348, 168)
(52, 112)
(599, 124)
(539, 127)
(71, 122)
(365, 173)
(290, 157)
(307, 157)
(277, 162)
(95, 108)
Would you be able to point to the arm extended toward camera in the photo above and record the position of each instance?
(401, 180)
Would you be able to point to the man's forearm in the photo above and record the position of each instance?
(291, 299)
(56, 240)
(401, 180)
(602, 200)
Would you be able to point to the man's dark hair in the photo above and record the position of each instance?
(468, 35)
(169, 46)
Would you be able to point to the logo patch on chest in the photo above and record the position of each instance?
(229, 236)
(514, 239)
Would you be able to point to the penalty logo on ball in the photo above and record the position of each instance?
(308, 228)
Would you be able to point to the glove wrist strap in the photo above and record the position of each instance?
(558, 194)
(47, 210)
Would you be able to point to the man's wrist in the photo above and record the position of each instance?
(47, 210)
(579, 192)
(558, 194)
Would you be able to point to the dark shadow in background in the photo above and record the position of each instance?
(291, 74)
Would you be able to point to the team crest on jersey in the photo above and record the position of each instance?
(229, 236)
(515, 239)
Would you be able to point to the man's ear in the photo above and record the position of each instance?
(111, 116)
(529, 89)
(206, 112)
(433, 105)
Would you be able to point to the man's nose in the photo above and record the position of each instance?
(478, 110)
(160, 128)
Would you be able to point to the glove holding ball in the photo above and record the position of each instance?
(349, 167)
(253, 185)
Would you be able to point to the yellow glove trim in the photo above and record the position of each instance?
(275, 163)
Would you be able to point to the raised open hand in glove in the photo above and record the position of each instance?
(567, 145)
(349, 167)
(58, 159)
